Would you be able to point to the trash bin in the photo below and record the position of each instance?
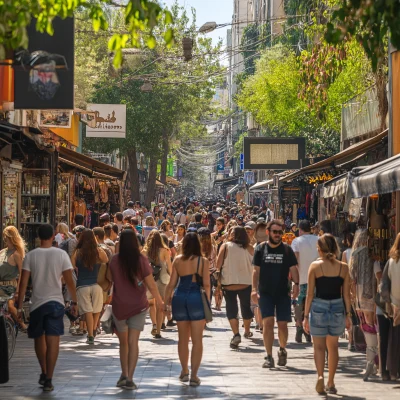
(4, 375)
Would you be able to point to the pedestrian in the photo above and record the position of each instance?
(235, 268)
(219, 234)
(180, 233)
(348, 243)
(166, 228)
(197, 222)
(273, 261)
(149, 226)
(306, 252)
(45, 266)
(250, 230)
(159, 256)
(104, 219)
(110, 235)
(119, 220)
(86, 260)
(192, 271)
(131, 275)
(159, 218)
(11, 258)
(328, 309)
(130, 210)
(79, 220)
(260, 232)
(99, 235)
(180, 217)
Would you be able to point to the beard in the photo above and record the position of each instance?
(275, 242)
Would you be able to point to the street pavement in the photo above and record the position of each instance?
(88, 372)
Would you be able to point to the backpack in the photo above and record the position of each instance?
(64, 245)
(268, 215)
(156, 271)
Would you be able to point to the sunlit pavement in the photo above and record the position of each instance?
(90, 372)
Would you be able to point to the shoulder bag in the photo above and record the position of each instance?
(204, 299)
(218, 274)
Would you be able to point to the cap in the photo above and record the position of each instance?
(260, 220)
(251, 225)
(78, 229)
(240, 217)
(293, 224)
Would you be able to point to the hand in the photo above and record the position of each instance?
(306, 326)
(254, 297)
(19, 315)
(74, 310)
(15, 298)
(349, 323)
(295, 291)
(161, 305)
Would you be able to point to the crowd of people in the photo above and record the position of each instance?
(177, 260)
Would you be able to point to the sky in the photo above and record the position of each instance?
(219, 11)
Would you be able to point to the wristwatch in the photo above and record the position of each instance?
(74, 303)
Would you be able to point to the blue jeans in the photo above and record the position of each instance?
(327, 317)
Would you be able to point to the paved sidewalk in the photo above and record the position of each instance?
(90, 372)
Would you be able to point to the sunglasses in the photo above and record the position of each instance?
(277, 232)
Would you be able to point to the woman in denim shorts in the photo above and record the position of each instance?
(328, 308)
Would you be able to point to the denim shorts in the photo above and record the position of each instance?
(327, 317)
(47, 320)
(279, 306)
(188, 305)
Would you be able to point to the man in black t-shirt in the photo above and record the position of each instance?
(273, 260)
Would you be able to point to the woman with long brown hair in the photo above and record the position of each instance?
(158, 255)
(166, 228)
(187, 306)
(132, 275)
(86, 261)
(235, 266)
(328, 306)
(11, 258)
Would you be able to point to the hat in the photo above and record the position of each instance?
(293, 224)
(105, 216)
(203, 232)
(260, 220)
(251, 225)
(240, 217)
(78, 229)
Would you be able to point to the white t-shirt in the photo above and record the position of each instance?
(46, 266)
(306, 246)
(129, 212)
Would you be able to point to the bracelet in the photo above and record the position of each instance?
(348, 314)
(296, 283)
(306, 317)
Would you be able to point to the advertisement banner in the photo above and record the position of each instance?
(105, 120)
(220, 165)
(55, 118)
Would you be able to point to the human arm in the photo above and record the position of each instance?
(172, 283)
(344, 258)
(206, 277)
(69, 281)
(256, 280)
(221, 257)
(18, 261)
(102, 255)
(294, 272)
(167, 260)
(250, 249)
(24, 279)
(310, 297)
(152, 287)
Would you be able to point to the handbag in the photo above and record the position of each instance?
(102, 280)
(204, 299)
(156, 271)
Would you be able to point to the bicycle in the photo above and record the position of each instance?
(10, 324)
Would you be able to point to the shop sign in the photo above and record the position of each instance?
(249, 177)
(220, 165)
(105, 120)
(55, 118)
(320, 178)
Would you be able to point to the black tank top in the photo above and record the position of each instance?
(329, 287)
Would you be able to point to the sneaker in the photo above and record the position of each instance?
(48, 386)
(130, 385)
(269, 362)
(299, 334)
(121, 381)
(42, 379)
(163, 326)
(282, 357)
(78, 332)
(90, 340)
(171, 323)
(236, 340)
(72, 330)
(351, 347)
(157, 336)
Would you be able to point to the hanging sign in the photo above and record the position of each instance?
(105, 120)
(320, 178)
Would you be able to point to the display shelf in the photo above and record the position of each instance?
(34, 223)
(35, 195)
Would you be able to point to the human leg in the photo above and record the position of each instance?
(89, 323)
(245, 308)
(52, 350)
(133, 355)
(268, 334)
(40, 350)
(197, 328)
(183, 345)
(332, 344)
(384, 327)
(232, 309)
(319, 359)
(123, 352)
(283, 334)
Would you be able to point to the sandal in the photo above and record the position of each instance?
(184, 377)
(331, 390)
(248, 335)
(154, 330)
(195, 382)
(320, 386)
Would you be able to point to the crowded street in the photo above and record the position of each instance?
(85, 372)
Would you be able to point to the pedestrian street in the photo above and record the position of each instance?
(86, 372)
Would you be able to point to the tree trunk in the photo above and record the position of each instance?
(134, 175)
(383, 105)
(164, 157)
(151, 182)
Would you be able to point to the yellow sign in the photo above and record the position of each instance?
(320, 178)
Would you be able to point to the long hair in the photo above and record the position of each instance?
(164, 225)
(63, 229)
(395, 250)
(129, 255)
(150, 221)
(154, 244)
(239, 236)
(191, 246)
(11, 232)
(206, 245)
(328, 245)
(86, 249)
(183, 227)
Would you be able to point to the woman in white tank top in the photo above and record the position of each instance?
(235, 266)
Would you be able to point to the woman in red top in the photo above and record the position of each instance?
(131, 273)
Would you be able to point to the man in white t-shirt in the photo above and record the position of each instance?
(46, 266)
(129, 211)
(180, 217)
(305, 249)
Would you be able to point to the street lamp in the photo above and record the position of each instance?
(208, 27)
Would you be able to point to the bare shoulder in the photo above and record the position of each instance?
(315, 264)
(345, 268)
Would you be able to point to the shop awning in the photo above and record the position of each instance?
(88, 165)
(159, 183)
(336, 186)
(344, 156)
(234, 189)
(381, 178)
(172, 181)
(232, 180)
(262, 184)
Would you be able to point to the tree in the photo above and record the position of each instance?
(139, 16)
(181, 95)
